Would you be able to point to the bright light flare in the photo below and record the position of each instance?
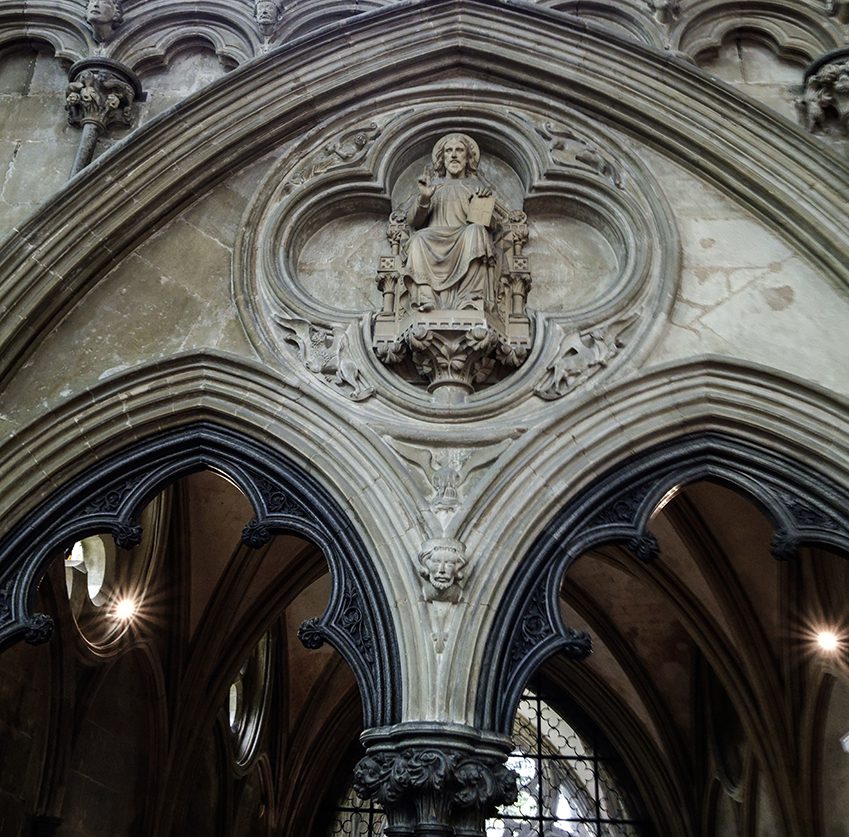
(125, 610)
(828, 641)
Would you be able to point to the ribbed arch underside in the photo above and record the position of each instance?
(767, 164)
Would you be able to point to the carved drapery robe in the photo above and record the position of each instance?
(450, 262)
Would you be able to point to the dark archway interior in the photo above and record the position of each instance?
(202, 712)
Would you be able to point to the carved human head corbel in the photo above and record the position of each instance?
(104, 17)
(268, 14)
(441, 563)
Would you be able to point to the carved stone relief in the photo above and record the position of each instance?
(446, 471)
(324, 352)
(104, 17)
(455, 285)
(441, 562)
(824, 103)
(451, 323)
(581, 355)
(268, 14)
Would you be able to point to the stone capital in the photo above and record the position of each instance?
(101, 92)
(434, 779)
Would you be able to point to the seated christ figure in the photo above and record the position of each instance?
(450, 261)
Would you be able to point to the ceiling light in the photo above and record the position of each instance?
(828, 641)
(125, 610)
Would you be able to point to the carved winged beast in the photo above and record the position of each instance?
(323, 352)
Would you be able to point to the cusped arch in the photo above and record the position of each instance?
(285, 499)
(804, 506)
(794, 32)
(279, 96)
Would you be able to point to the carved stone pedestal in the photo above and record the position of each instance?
(435, 781)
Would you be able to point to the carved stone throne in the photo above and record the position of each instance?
(458, 348)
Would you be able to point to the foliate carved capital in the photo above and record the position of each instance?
(101, 93)
(436, 786)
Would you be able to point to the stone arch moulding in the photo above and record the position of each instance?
(108, 496)
(795, 32)
(560, 166)
(661, 100)
(804, 507)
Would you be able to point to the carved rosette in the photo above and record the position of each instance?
(436, 788)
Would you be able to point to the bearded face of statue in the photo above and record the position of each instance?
(100, 11)
(442, 567)
(455, 156)
(266, 12)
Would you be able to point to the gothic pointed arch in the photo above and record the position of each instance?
(624, 84)
(108, 495)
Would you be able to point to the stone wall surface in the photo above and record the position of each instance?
(673, 240)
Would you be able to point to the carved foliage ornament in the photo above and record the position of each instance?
(435, 785)
(99, 97)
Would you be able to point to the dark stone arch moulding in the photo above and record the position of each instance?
(803, 506)
(108, 496)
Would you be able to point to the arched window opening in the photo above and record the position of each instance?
(247, 698)
(89, 557)
(568, 779)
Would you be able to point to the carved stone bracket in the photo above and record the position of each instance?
(665, 11)
(268, 14)
(100, 95)
(435, 782)
(104, 17)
